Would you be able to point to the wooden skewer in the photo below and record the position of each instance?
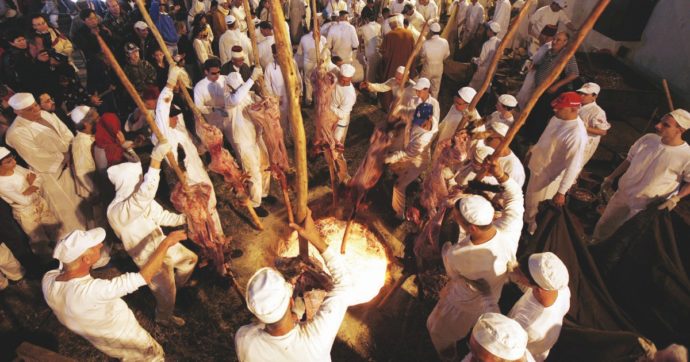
(142, 108)
(251, 29)
(566, 54)
(667, 91)
(451, 25)
(396, 286)
(287, 67)
(350, 222)
(187, 97)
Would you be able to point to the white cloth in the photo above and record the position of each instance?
(474, 18)
(371, 37)
(310, 341)
(461, 15)
(240, 18)
(231, 38)
(307, 50)
(545, 16)
(275, 83)
(391, 85)
(502, 16)
(203, 50)
(342, 39)
(542, 324)
(594, 117)
(84, 165)
(451, 122)
(397, 7)
(434, 52)
(555, 162)
(656, 171)
(265, 52)
(429, 11)
(209, 97)
(484, 61)
(10, 268)
(334, 7)
(416, 20)
(460, 303)
(344, 98)
(94, 309)
(512, 165)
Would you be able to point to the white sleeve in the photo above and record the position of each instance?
(200, 100)
(118, 287)
(342, 111)
(574, 159)
(511, 219)
(233, 99)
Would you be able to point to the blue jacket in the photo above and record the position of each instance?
(164, 23)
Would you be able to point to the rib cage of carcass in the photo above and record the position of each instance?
(451, 152)
(221, 160)
(266, 115)
(194, 202)
(370, 170)
(325, 120)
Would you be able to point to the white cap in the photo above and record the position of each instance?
(4, 152)
(141, 25)
(477, 210)
(268, 295)
(501, 336)
(682, 117)
(548, 271)
(401, 69)
(500, 127)
(561, 3)
(346, 70)
(435, 27)
(229, 19)
(467, 93)
(589, 88)
(78, 113)
(507, 100)
(481, 153)
(236, 54)
(76, 243)
(422, 83)
(125, 178)
(494, 26)
(20, 101)
(234, 80)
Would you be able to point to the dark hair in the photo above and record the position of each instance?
(386, 11)
(212, 62)
(265, 25)
(407, 8)
(86, 13)
(12, 34)
(198, 29)
(197, 19)
(335, 59)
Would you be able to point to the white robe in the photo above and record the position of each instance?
(209, 97)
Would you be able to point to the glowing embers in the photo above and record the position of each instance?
(365, 256)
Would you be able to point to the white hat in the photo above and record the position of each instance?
(500, 127)
(682, 117)
(236, 52)
(422, 83)
(507, 100)
(20, 101)
(501, 336)
(477, 210)
(125, 178)
(589, 88)
(234, 80)
(467, 93)
(561, 3)
(435, 27)
(229, 19)
(78, 113)
(494, 26)
(346, 70)
(141, 25)
(76, 243)
(548, 271)
(4, 152)
(482, 152)
(268, 295)
(401, 69)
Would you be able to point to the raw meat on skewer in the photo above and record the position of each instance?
(221, 160)
(435, 189)
(266, 114)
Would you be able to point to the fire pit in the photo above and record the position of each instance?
(366, 257)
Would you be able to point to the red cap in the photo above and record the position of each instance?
(567, 99)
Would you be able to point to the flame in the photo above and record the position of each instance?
(365, 256)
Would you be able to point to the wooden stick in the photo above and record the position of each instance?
(251, 30)
(406, 75)
(507, 39)
(287, 67)
(142, 108)
(286, 196)
(664, 83)
(350, 222)
(396, 286)
(317, 35)
(328, 153)
(562, 61)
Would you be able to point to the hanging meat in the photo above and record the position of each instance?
(193, 202)
(266, 114)
(371, 168)
(221, 160)
(311, 282)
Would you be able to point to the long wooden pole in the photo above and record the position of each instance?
(316, 31)
(251, 30)
(562, 61)
(142, 108)
(667, 91)
(287, 67)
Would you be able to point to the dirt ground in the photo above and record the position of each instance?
(214, 311)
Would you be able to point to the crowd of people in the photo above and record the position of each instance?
(72, 141)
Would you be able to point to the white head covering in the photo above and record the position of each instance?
(435, 27)
(589, 88)
(234, 80)
(477, 210)
(346, 70)
(140, 25)
(467, 93)
(20, 101)
(422, 83)
(230, 19)
(507, 100)
(500, 127)
(682, 117)
(125, 178)
(4, 152)
(495, 27)
(78, 113)
(501, 336)
(76, 243)
(548, 271)
(482, 152)
(561, 3)
(236, 54)
(401, 69)
(268, 295)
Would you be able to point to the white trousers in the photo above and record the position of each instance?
(433, 72)
(9, 267)
(61, 196)
(616, 214)
(308, 85)
(254, 160)
(132, 344)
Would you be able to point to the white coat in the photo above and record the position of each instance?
(265, 51)
(84, 165)
(461, 15)
(342, 39)
(474, 18)
(461, 303)
(94, 309)
(435, 51)
(231, 38)
(484, 61)
(306, 342)
(502, 16)
(203, 50)
(307, 50)
(397, 7)
(371, 37)
(209, 97)
(10, 268)
(416, 20)
(344, 98)
(542, 17)
(240, 18)
(334, 7)
(429, 11)
(594, 117)
(451, 122)
(275, 83)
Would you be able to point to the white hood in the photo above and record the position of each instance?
(125, 177)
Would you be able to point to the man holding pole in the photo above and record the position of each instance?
(209, 94)
(434, 51)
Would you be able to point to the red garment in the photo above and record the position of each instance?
(106, 138)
